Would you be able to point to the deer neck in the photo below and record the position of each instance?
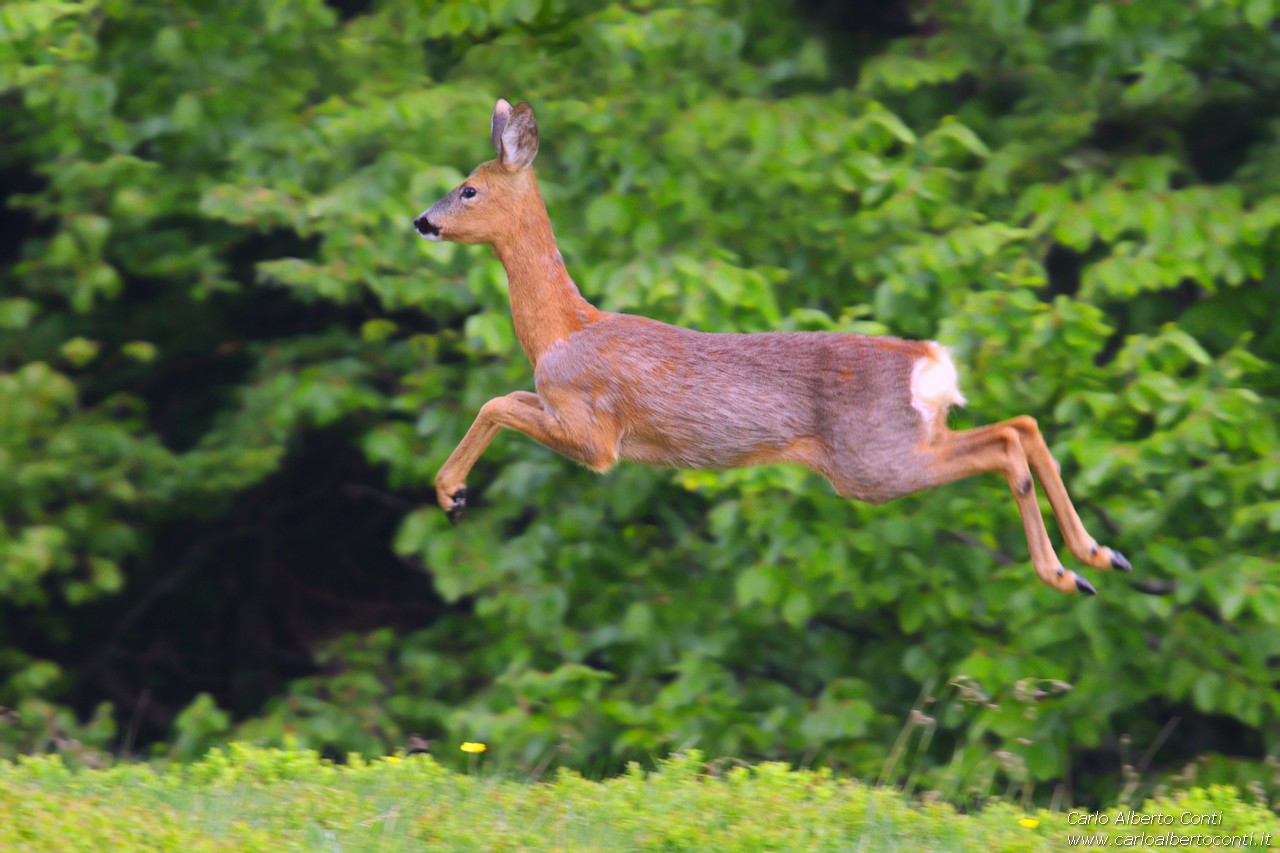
(545, 303)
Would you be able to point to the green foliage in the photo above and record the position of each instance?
(1081, 199)
(243, 798)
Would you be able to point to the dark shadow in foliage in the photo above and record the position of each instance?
(234, 606)
(1063, 267)
(1180, 735)
(17, 177)
(1219, 136)
(856, 29)
(348, 9)
(880, 18)
(206, 364)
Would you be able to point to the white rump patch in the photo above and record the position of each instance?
(934, 384)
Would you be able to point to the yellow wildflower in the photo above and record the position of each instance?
(1029, 822)
(473, 747)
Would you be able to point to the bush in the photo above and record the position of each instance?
(216, 294)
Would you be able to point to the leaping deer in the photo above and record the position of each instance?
(867, 412)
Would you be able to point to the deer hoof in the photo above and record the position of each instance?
(1119, 562)
(459, 499)
(1084, 586)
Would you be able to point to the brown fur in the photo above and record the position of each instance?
(869, 413)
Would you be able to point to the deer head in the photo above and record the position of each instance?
(487, 206)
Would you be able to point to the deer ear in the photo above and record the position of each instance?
(501, 111)
(519, 138)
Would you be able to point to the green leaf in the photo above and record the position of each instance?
(141, 351)
(757, 584)
(16, 313)
(491, 331)
(80, 351)
(797, 609)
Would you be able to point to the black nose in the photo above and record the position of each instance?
(425, 227)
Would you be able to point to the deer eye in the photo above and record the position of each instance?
(468, 192)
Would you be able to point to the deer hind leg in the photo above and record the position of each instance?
(522, 411)
(998, 448)
(1082, 546)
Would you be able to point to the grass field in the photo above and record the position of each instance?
(246, 799)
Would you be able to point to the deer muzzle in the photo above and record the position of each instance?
(424, 227)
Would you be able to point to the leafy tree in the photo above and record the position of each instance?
(217, 320)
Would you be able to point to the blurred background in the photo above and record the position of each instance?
(229, 370)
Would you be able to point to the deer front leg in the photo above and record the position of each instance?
(522, 411)
(451, 489)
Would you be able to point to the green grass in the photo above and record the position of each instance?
(245, 798)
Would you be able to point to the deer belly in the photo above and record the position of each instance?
(712, 439)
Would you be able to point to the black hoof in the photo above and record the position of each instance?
(1119, 562)
(1085, 587)
(459, 504)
